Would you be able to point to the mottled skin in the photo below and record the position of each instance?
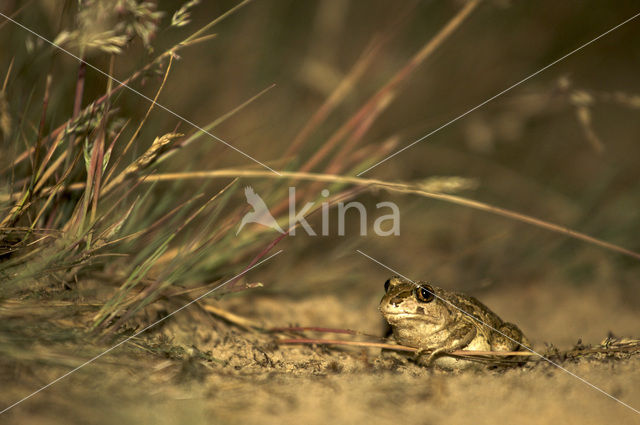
(422, 316)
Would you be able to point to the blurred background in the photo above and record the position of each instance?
(560, 147)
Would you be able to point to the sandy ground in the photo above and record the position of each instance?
(207, 371)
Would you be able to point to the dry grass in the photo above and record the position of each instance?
(76, 201)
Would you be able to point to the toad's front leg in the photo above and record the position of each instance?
(454, 342)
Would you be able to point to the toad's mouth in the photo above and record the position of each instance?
(395, 316)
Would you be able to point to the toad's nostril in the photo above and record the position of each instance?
(396, 301)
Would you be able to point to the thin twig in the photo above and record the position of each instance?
(462, 353)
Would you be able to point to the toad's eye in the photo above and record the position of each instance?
(424, 294)
(386, 285)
